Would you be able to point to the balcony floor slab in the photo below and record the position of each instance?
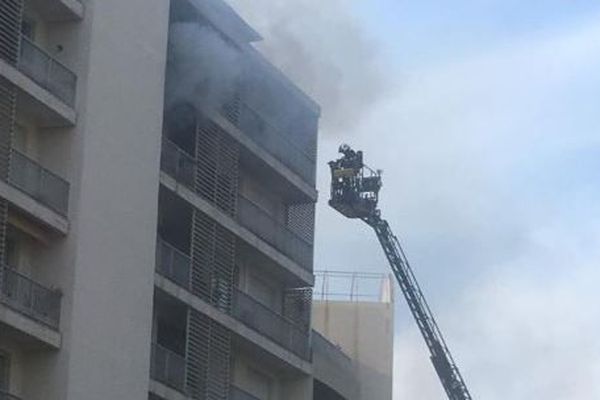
(35, 100)
(60, 10)
(40, 213)
(27, 330)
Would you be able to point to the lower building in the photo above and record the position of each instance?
(353, 339)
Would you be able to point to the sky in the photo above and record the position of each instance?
(485, 117)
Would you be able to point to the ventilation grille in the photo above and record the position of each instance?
(297, 306)
(3, 223)
(301, 221)
(217, 173)
(7, 120)
(213, 261)
(11, 12)
(208, 358)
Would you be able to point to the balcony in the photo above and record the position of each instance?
(8, 396)
(39, 183)
(30, 298)
(168, 368)
(181, 166)
(274, 232)
(173, 264)
(271, 324)
(176, 266)
(47, 72)
(274, 141)
(238, 394)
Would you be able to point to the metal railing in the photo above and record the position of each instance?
(29, 297)
(173, 264)
(47, 72)
(271, 324)
(38, 182)
(236, 393)
(276, 143)
(8, 396)
(275, 233)
(177, 163)
(168, 367)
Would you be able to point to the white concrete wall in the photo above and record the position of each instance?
(365, 332)
(111, 158)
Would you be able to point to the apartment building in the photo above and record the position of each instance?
(157, 206)
(353, 342)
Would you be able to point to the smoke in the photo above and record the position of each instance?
(322, 47)
(202, 66)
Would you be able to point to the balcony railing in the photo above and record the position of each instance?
(275, 233)
(239, 394)
(177, 163)
(29, 297)
(271, 324)
(47, 72)
(276, 143)
(38, 182)
(168, 367)
(8, 396)
(173, 264)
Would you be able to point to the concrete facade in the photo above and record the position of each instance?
(144, 255)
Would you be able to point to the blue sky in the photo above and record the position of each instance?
(485, 117)
(421, 31)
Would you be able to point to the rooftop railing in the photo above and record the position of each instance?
(275, 233)
(168, 367)
(173, 264)
(276, 142)
(271, 324)
(38, 182)
(8, 396)
(29, 297)
(47, 72)
(239, 394)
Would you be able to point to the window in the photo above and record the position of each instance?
(4, 371)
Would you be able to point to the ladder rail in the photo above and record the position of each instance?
(441, 357)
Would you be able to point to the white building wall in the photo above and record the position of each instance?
(111, 158)
(365, 332)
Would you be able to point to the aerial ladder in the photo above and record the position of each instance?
(355, 194)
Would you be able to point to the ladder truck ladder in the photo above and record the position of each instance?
(355, 194)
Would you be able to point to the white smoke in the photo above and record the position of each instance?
(202, 66)
(322, 47)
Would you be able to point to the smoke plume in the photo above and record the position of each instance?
(324, 49)
(201, 65)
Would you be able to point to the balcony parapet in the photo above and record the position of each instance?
(30, 298)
